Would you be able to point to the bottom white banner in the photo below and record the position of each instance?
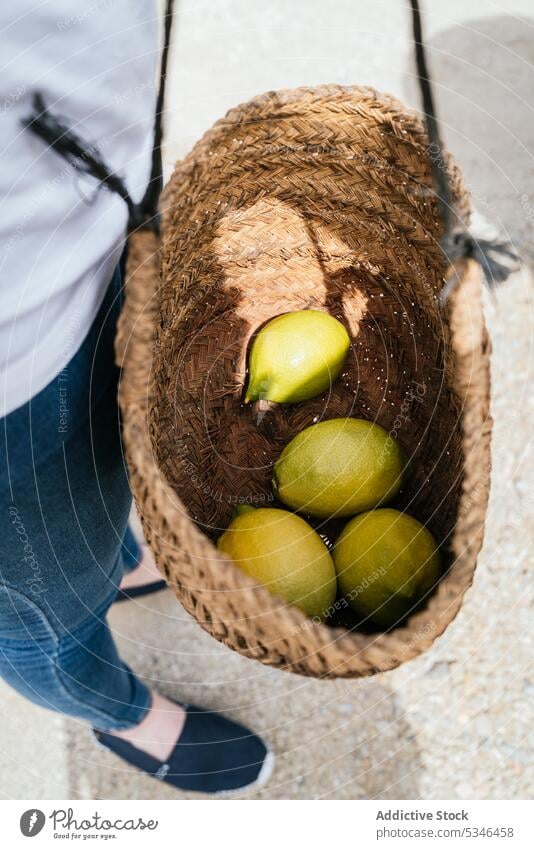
(257, 825)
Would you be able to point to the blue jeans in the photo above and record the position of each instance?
(64, 505)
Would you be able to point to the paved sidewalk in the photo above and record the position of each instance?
(453, 723)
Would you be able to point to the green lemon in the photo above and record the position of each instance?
(386, 562)
(281, 551)
(296, 357)
(338, 467)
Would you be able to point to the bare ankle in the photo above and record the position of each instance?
(159, 730)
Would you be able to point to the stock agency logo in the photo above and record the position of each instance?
(65, 824)
(31, 822)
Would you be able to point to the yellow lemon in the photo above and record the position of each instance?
(338, 467)
(296, 356)
(386, 563)
(281, 551)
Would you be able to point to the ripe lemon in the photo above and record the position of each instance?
(283, 552)
(296, 356)
(338, 467)
(386, 562)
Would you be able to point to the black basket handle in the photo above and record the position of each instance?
(497, 259)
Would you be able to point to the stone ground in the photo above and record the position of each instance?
(453, 723)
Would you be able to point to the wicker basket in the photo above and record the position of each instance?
(316, 198)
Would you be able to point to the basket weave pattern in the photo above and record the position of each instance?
(313, 198)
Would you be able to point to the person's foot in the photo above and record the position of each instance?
(144, 574)
(192, 749)
(158, 733)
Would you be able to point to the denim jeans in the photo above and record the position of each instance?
(64, 505)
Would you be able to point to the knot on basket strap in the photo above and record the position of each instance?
(55, 131)
(497, 259)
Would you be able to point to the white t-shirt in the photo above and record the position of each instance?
(61, 236)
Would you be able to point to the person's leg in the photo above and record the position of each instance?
(77, 673)
(64, 506)
(132, 552)
(141, 575)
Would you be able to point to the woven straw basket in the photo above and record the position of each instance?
(313, 198)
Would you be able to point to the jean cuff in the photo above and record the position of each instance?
(136, 710)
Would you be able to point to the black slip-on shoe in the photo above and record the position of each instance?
(213, 755)
(143, 589)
